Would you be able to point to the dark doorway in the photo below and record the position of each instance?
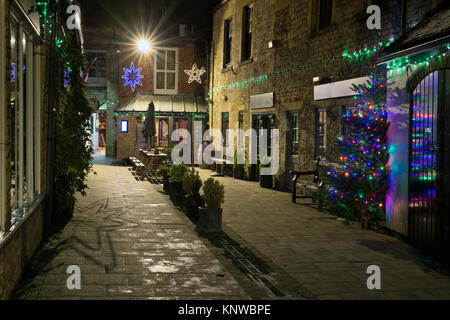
(429, 182)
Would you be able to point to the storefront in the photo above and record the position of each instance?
(172, 112)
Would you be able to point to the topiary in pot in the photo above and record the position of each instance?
(210, 216)
(265, 181)
(239, 164)
(191, 185)
(163, 173)
(176, 191)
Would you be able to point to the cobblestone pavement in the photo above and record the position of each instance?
(319, 254)
(130, 243)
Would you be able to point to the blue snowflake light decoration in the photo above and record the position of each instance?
(132, 77)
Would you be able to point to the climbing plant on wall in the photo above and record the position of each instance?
(73, 147)
(359, 187)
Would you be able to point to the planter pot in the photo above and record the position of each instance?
(166, 184)
(265, 181)
(210, 220)
(219, 168)
(176, 192)
(253, 174)
(238, 173)
(192, 205)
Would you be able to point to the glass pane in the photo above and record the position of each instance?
(12, 114)
(24, 126)
(160, 80)
(170, 81)
(171, 54)
(161, 60)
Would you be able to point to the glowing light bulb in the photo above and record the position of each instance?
(144, 45)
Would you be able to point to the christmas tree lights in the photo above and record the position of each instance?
(359, 187)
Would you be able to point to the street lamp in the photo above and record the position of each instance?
(144, 46)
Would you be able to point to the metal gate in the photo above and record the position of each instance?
(428, 219)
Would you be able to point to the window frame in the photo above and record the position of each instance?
(166, 71)
(227, 42)
(247, 32)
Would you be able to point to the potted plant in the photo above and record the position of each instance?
(239, 164)
(265, 181)
(163, 173)
(210, 216)
(191, 185)
(176, 174)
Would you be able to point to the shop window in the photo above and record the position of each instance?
(241, 129)
(166, 71)
(23, 123)
(225, 126)
(247, 17)
(163, 132)
(295, 133)
(321, 133)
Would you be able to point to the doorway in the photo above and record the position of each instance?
(429, 179)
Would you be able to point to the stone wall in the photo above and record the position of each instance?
(292, 24)
(18, 250)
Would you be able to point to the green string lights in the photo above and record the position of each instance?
(404, 62)
(163, 114)
(357, 55)
(366, 52)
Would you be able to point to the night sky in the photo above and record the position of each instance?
(137, 15)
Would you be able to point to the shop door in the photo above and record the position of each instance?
(429, 193)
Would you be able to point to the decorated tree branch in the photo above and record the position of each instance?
(358, 188)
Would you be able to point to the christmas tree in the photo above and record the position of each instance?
(358, 188)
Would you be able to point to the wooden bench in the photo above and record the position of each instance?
(313, 187)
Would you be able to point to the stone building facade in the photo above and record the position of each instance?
(293, 42)
(24, 139)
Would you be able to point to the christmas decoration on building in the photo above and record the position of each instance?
(13, 72)
(195, 74)
(66, 79)
(132, 77)
(359, 187)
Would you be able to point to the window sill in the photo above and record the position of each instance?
(244, 62)
(226, 69)
(5, 236)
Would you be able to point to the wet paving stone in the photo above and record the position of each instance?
(130, 242)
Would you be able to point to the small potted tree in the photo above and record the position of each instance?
(163, 173)
(239, 164)
(210, 216)
(265, 181)
(176, 191)
(191, 185)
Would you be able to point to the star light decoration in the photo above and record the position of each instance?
(132, 77)
(195, 74)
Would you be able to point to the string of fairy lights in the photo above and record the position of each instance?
(350, 55)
